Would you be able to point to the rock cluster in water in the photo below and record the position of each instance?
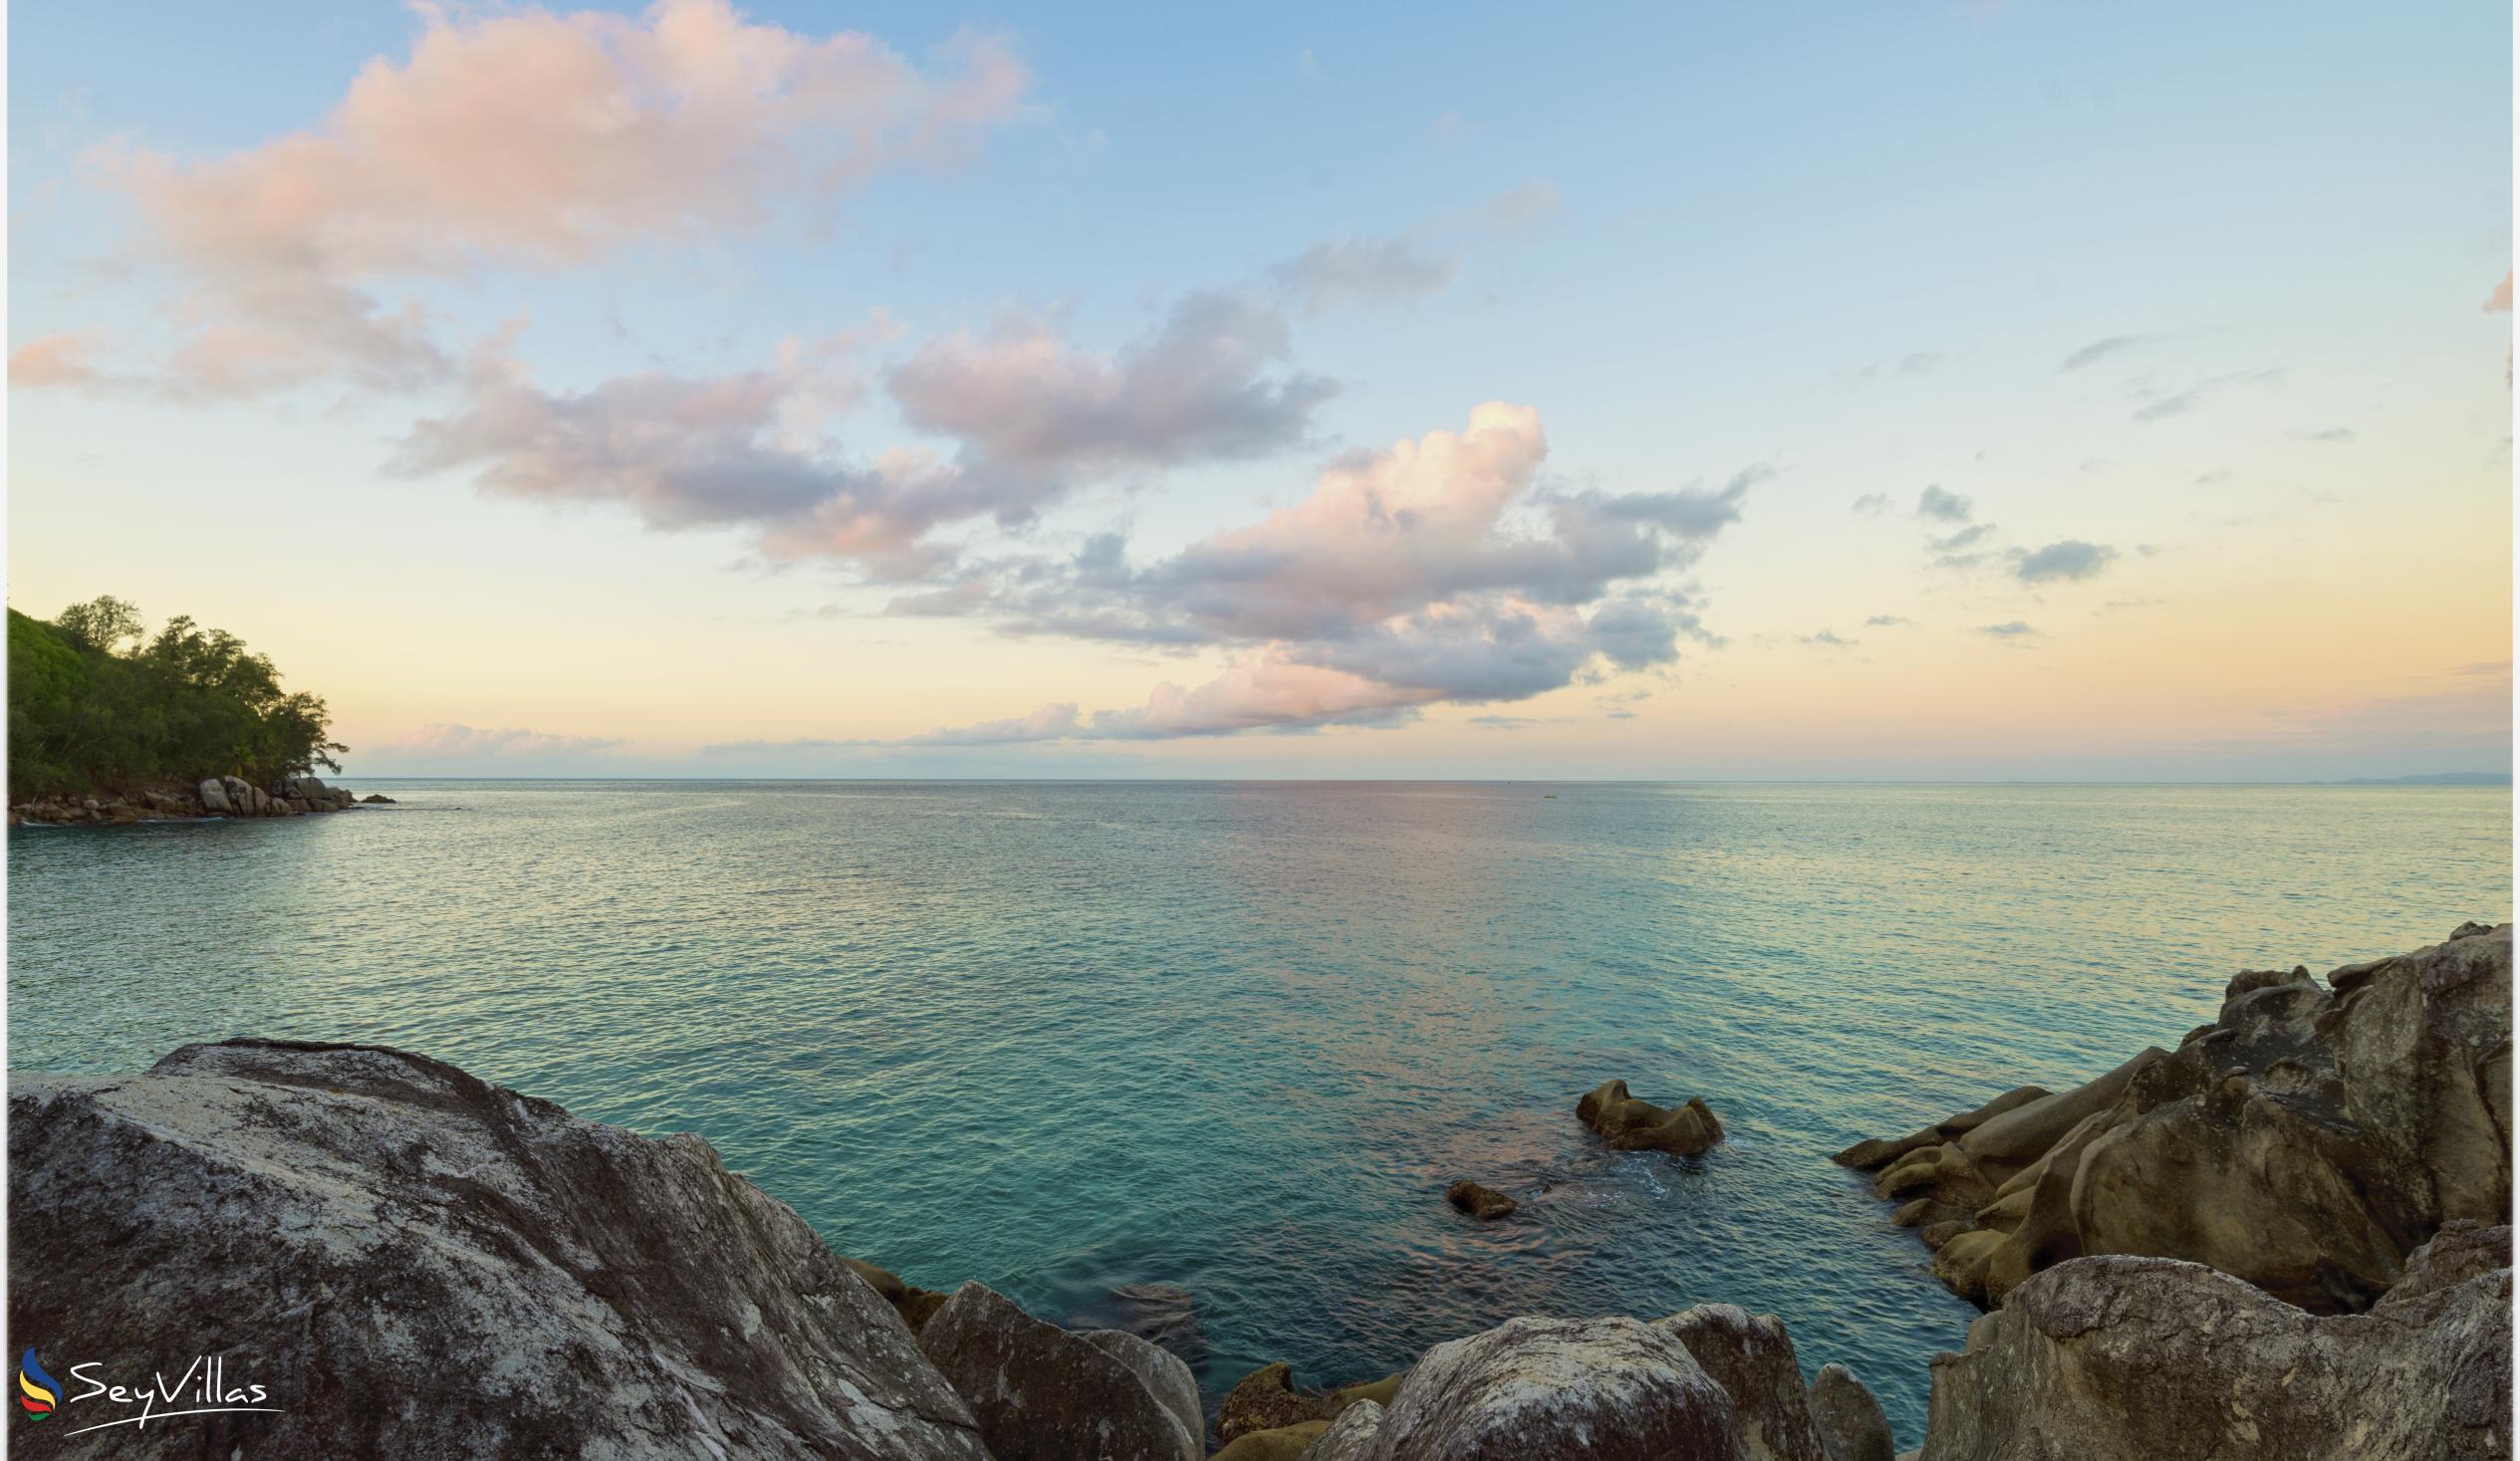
(414, 1263)
(219, 796)
(1628, 1125)
(2309, 1140)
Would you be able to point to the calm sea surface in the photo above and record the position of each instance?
(1238, 1037)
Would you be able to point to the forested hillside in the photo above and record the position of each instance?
(98, 704)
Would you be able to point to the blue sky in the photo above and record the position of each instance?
(1839, 254)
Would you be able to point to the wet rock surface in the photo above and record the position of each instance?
(1484, 1203)
(1628, 1125)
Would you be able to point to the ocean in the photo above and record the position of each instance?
(1238, 1037)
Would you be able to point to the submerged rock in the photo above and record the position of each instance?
(1483, 1203)
(1164, 1314)
(2119, 1358)
(1629, 1124)
(1595, 1389)
(1043, 1393)
(416, 1263)
(2307, 1141)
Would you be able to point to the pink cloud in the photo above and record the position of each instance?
(2499, 302)
(1201, 385)
(1266, 694)
(529, 137)
(1263, 692)
(446, 740)
(1433, 571)
(56, 359)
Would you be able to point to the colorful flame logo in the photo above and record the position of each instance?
(38, 1391)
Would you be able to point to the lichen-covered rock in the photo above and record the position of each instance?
(1752, 1358)
(1163, 1375)
(1629, 1124)
(2119, 1358)
(1266, 1400)
(2307, 1141)
(1852, 1424)
(1043, 1393)
(1285, 1443)
(1484, 1203)
(1598, 1390)
(1350, 1437)
(416, 1263)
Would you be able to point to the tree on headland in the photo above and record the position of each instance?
(96, 703)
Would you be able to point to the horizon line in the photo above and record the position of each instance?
(2421, 781)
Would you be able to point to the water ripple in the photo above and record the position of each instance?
(1238, 1038)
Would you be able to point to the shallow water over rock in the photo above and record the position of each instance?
(1239, 1039)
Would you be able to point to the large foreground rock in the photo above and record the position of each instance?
(1601, 1389)
(416, 1263)
(1043, 1393)
(2307, 1140)
(1752, 1358)
(2150, 1360)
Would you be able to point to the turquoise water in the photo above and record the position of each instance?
(1238, 1037)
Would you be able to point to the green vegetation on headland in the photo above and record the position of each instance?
(98, 704)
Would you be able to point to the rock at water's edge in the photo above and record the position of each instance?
(2308, 1141)
(2118, 1358)
(1752, 1358)
(1853, 1427)
(1043, 1393)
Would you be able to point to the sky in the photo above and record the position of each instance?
(1899, 391)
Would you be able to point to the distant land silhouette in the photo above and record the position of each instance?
(2430, 779)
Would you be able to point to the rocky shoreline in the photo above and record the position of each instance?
(218, 796)
(2308, 1141)
(411, 1262)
